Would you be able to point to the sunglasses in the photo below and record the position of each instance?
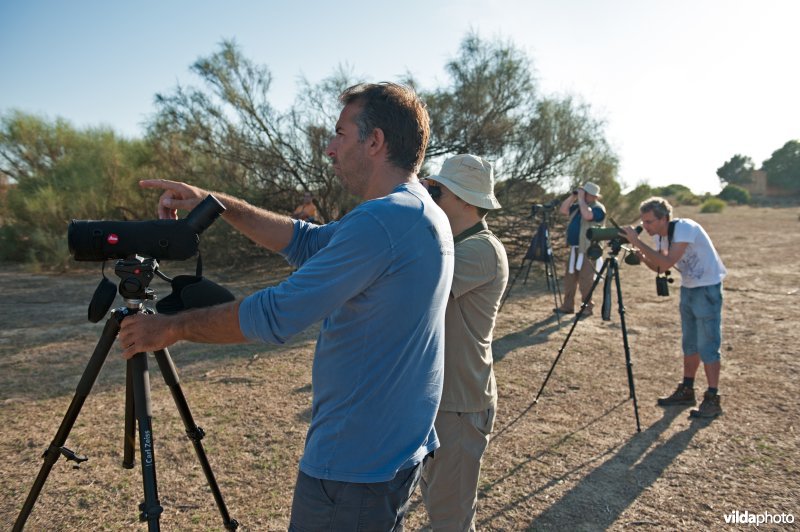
(435, 191)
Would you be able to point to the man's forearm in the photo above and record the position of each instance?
(213, 325)
(266, 228)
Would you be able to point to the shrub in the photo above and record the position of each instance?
(686, 197)
(734, 193)
(712, 205)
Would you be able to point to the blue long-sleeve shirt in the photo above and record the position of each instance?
(380, 279)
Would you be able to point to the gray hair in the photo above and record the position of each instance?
(658, 206)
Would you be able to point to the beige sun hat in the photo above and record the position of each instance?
(591, 188)
(471, 178)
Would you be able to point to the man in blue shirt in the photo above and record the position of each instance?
(379, 278)
(585, 212)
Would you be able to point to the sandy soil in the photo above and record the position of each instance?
(572, 461)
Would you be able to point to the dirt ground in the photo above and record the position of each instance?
(572, 461)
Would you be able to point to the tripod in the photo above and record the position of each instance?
(136, 274)
(611, 269)
(541, 251)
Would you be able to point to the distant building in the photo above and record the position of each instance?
(758, 185)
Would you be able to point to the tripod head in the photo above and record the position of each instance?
(135, 274)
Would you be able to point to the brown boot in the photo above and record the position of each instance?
(683, 395)
(709, 408)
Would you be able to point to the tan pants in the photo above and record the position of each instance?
(449, 482)
(582, 278)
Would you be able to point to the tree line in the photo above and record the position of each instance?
(782, 169)
(224, 134)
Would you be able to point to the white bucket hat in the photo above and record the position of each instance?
(591, 188)
(471, 178)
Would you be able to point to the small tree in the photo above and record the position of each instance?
(732, 193)
(783, 168)
(712, 205)
(737, 171)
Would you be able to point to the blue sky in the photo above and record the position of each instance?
(682, 85)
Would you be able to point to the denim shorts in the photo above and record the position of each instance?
(701, 321)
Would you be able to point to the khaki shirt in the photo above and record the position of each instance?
(479, 280)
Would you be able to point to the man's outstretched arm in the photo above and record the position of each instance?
(267, 229)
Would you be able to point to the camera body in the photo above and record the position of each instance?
(662, 284)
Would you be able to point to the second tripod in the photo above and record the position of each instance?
(539, 250)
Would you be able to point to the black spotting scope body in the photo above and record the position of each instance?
(99, 240)
(608, 233)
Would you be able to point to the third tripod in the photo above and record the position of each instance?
(610, 268)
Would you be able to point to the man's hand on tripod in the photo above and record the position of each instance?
(219, 324)
(142, 333)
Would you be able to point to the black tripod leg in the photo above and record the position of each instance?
(557, 289)
(151, 508)
(605, 312)
(56, 448)
(628, 363)
(129, 442)
(194, 432)
(510, 286)
(569, 334)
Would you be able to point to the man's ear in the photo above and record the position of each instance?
(376, 140)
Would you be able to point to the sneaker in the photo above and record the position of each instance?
(709, 408)
(683, 395)
(563, 311)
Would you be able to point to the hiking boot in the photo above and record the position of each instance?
(683, 395)
(709, 408)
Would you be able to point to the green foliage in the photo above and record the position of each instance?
(225, 135)
(737, 171)
(712, 205)
(61, 174)
(671, 190)
(678, 194)
(626, 211)
(783, 167)
(491, 107)
(686, 198)
(733, 193)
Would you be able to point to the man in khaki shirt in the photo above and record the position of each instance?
(464, 190)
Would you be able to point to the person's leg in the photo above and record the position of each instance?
(690, 365)
(712, 373)
(332, 505)
(449, 483)
(709, 315)
(585, 281)
(570, 287)
(684, 393)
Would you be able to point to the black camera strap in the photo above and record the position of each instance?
(670, 233)
(474, 230)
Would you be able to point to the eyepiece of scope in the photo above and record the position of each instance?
(202, 216)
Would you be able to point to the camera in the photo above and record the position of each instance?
(99, 240)
(662, 284)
